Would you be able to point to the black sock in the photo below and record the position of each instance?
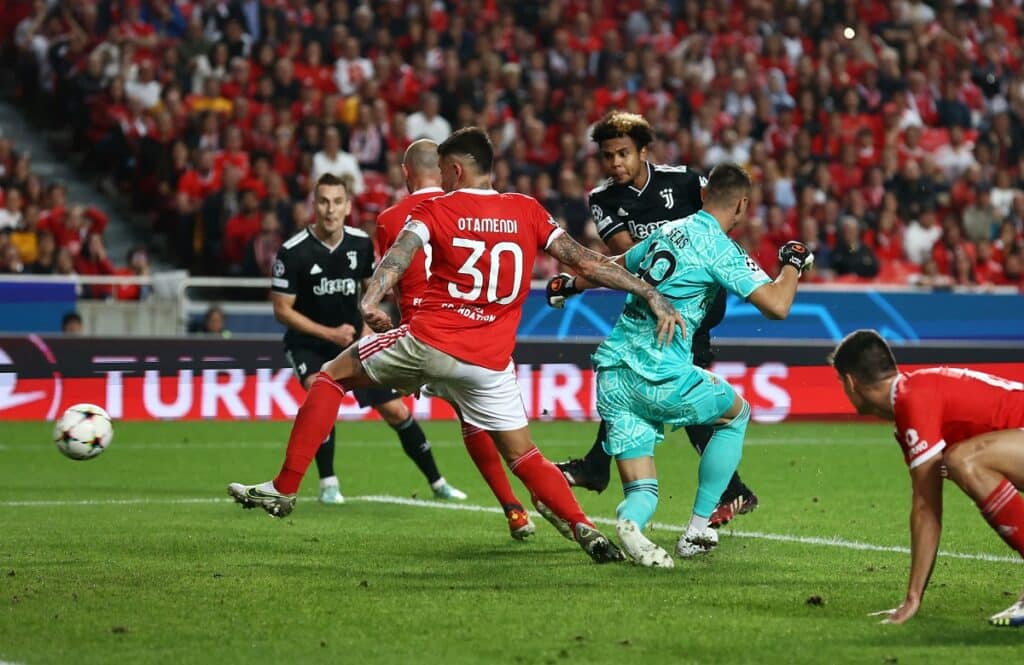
(325, 456)
(597, 459)
(416, 446)
(699, 437)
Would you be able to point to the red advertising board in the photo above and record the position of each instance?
(183, 379)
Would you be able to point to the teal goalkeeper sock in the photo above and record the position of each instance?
(719, 461)
(640, 502)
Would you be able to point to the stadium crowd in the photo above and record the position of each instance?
(885, 135)
(42, 233)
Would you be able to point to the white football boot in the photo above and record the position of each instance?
(1012, 616)
(696, 541)
(639, 548)
(264, 496)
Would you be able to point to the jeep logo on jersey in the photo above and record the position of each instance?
(667, 195)
(641, 231)
(330, 287)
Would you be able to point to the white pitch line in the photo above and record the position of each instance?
(439, 443)
(841, 543)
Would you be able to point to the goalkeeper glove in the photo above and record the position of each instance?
(561, 287)
(798, 255)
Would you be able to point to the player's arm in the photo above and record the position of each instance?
(285, 312)
(390, 269)
(613, 232)
(604, 271)
(925, 529)
(366, 329)
(617, 244)
(775, 298)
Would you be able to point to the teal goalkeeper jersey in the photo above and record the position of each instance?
(687, 260)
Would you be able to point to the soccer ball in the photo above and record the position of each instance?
(83, 432)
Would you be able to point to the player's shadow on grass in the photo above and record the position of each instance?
(945, 632)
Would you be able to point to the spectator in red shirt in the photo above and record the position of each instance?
(240, 230)
(92, 260)
(233, 153)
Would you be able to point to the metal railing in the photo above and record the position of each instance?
(179, 297)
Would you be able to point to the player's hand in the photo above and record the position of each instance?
(668, 318)
(900, 614)
(798, 255)
(377, 319)
(343, 335)
(561, 287)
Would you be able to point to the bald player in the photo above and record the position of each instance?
(423, 180)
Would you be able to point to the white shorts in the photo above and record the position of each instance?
(486, 398)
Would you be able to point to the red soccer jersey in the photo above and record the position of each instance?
(483, 245)
(411, 287)
(940, 407)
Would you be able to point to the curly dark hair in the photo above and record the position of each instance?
(616, 124)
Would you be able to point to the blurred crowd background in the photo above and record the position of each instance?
(886, 135)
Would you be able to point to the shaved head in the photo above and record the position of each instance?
(421, 158)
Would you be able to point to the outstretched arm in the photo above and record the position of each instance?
(605, 271)
(925, 529)
(388, 272)
(617, 244)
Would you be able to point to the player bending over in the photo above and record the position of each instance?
(423, 180)
(641, 387)
(970, 422)
(483, 246)
(637, 198)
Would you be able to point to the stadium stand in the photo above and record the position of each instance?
(887, 135)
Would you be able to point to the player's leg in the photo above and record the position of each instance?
(306, 363)
(491, 400)
(640, 499)
(592, 470)
(485, 456)
(330, 488)
(410, 434)
(631, 441)
(737, 499)
(990, 469)
(551, 494)
(717, 464)
(313, 422)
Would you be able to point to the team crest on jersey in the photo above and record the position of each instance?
(353, 259)
(669, 200)
(278, 268)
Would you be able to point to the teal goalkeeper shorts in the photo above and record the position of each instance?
(635, 410)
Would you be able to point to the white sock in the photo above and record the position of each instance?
(439, 483)
(697, 524)
(329, 481)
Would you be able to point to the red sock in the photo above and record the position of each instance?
(488, 461)
(547, 485)
(313, 423)
(1004, 511)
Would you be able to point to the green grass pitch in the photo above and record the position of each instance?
(138, 557)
